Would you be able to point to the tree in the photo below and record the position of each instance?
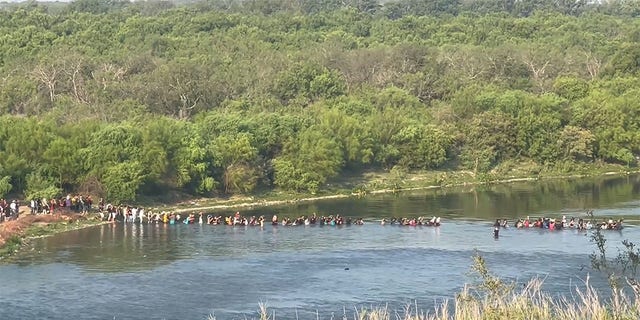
(488, 138)
(625, 61)
(61, 156)
(5, 186)
(353, 136)
(122, 181)
(542, 62)
(178, 89)
(576, 143)
(113, 143)
(422, 147)
(570, 88)
(538, 124)
(308, 82)
(307, 162)
(40, 185)
(97, 6)
(238, 160)
(18, 94)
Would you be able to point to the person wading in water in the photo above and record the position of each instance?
(496, 228)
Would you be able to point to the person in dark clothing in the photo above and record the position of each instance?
(496, 228)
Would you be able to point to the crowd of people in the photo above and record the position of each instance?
(141, 215)
(70, 203)
(564, 223)
(108, 212)
(9, 210)
(420, 221)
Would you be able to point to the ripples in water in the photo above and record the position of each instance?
(189, 271)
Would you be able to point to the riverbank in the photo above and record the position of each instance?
(393, 182)
(15, 234)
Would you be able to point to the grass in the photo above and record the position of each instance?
(11, 246)
(529, 303)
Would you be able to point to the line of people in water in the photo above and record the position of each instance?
(559, 224)
(420, 221)
(135, 214)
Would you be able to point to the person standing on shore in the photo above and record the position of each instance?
(14, 209)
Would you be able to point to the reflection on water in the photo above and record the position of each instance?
(189, 271)
(513, 200)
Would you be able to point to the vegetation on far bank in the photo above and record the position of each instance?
(127, 100)
(371, 183)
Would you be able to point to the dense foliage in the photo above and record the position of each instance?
(137, 98)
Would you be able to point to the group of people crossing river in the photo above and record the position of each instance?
(560, 224)
(139, 215)
(130, 214)
(134, 214)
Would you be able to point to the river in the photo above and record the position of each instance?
(129, 271)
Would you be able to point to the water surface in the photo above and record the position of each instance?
(128, 271)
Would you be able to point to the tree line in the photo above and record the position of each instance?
(231, 97)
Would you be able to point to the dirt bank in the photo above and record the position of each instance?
(26, 225)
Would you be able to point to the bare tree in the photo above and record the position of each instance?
(468, 62)
(48, 76)
(538, 60)
(109, 73)
(592, 64)
(73, 71)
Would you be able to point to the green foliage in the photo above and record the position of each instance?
(237, 158)
(622, 270)
(576, 143)
(422, 147)
(308, 161)
(41, 186)
(489, 285)
(490, 137)
(538, 128)
(11, 246)
(231, 96)
(5, 186)
(122, 180)
(571, 88)
(309, 82)
(353, 137)
(97, 6)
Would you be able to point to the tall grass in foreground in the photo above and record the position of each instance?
(494, 299)
(529, 303)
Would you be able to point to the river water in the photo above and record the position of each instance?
(128, 271)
